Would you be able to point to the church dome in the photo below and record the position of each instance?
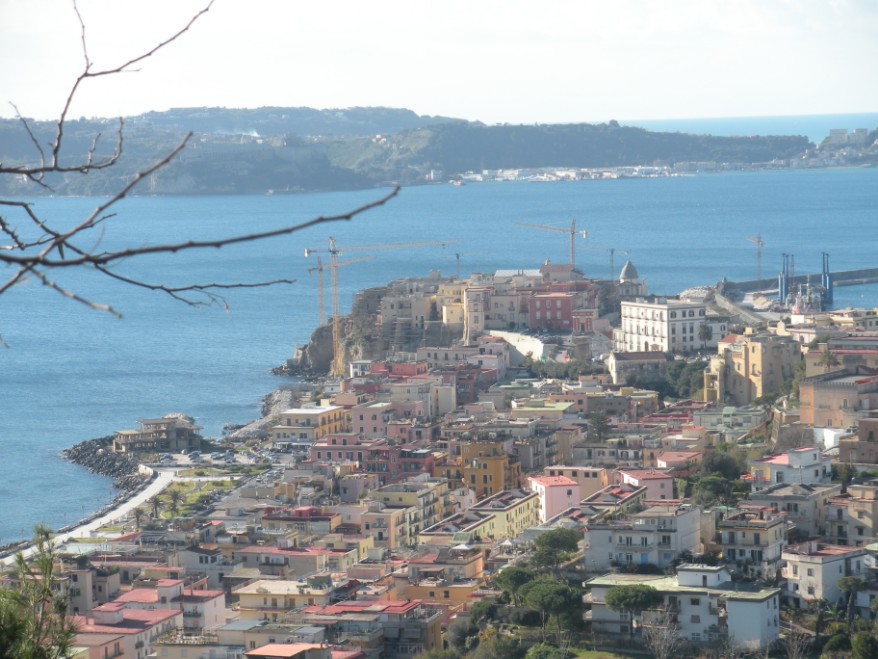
(629, 273)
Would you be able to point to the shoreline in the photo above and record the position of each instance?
(135, 481)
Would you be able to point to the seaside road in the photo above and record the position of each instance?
(163, 479)
(157, 486)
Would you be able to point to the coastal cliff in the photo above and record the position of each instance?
(369, 334)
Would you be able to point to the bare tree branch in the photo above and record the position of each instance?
(33, 247)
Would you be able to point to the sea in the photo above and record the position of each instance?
(71, 372)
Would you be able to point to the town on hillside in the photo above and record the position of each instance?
(525, 464)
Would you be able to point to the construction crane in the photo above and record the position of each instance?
(319, 268)
(757, 240)
(334, 252)
(612, 251)
(571, 232)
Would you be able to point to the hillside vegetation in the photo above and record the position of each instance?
(301, 149)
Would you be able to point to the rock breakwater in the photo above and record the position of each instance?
(96, 456)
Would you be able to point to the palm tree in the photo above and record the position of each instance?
(705, 334)
(828, 360)
(176, 496)
(138, 516)
(851, 586)
(156, 503)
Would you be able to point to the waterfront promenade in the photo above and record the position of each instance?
(163, 479)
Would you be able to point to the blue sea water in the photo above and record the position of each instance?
(71, 373)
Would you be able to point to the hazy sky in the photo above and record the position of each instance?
(489, 60)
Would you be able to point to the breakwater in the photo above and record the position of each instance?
(842, 278)
(96, 456)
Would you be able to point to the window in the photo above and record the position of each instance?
(695, 601)
(810, 572)
(695, 618)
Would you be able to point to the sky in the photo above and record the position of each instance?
(510, 61)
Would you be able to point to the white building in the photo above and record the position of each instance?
(806, 466)
(702, 601)
(666, 325)
(753, 539)
(813, 569)
(655, 536)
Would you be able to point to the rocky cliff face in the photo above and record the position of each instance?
(364, 336)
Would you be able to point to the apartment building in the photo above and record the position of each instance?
(812, 570)
(309, 424)
(556, 493)
(804, 505)
(392, 629)
(840, 399)
(702, 600)
(749, 366)
(666, 325)
(656, 536)
(852, 517)
(172, 433)
(862, 446)
(753, 539)
(425, 499)
(589, 479)
(805, 466)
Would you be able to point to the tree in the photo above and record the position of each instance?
(796, 645)
(156, 503)
(722, 463)
(851, 586)
(511, 579)
(34, 247)
(549, 597)
(710, 489)
(599, 425)
(546, 651)
(828, 359)
(175, 496)
(632, 599)
(662, 635)
(33, 615)
(555, 546)
(494, 645)
(705, 334)
(864, 645)
(138, 516)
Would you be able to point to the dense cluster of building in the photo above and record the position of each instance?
(413, 480)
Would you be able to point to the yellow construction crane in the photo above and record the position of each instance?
(334, 251)
(757, 240)
(571, 232)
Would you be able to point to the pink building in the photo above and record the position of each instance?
(132, 630)
(658, 484)
(556, 493)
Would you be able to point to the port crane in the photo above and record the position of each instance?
(335, 252)
(757, 240)
(572, 232)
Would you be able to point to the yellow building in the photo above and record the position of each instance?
(387, 526)
(271, 600)
(484, 467)
(748, 367)
(309, 424)
(426, 501)
(492, 520)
